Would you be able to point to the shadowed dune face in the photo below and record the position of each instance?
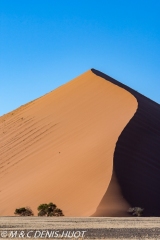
(59, 148)
(137, 154)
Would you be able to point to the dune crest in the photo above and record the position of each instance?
(59, 148)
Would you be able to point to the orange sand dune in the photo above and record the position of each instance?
(59, 148)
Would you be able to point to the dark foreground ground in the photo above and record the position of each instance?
(79, 228)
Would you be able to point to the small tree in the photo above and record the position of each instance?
(49, 210)
(136, 211)
(24, 211)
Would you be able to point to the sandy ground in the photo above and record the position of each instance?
(59, 148)
(95, 228)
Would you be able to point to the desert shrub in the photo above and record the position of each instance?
(136, 211)
(24, 211)
(49, 210)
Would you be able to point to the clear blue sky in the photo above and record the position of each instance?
(45, 43)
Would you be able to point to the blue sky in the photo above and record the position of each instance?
(45, 43)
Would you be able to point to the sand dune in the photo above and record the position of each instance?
(60, 147)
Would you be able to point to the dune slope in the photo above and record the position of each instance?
(59, 148)
(137, 154)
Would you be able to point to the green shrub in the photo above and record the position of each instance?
(24, 211)
(49, 210)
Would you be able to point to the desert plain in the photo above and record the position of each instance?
(93, 227)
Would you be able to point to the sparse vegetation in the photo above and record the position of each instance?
(24, 211)
(136, 211)
(49, 210)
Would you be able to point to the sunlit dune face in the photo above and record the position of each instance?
(59, 148)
